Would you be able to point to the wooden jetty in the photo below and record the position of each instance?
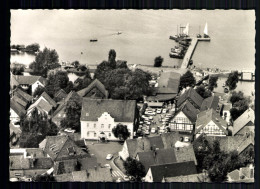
(190, 51)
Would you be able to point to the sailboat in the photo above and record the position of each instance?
(186, 30)
(199, 36)
(206, 35)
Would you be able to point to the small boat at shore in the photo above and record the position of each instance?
(206, 35)
(175, 55)
(119, 32)
(93, 40)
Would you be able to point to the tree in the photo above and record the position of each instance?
(236, 96)
(38, 91)
(112, 58)
(187, 79)
(73, 112)
(33, 47)
(102, 69)
(44, 61)
(44, 178)
(158, 61)
(232, 80)
(134, 168)
(75, 63)
(213, 82)
(17, 69)
(203, 92)
(121, 132)
(82, 83)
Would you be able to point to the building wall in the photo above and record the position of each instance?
(35, 85)
(212, 129)
(105, 123)
(14, 117)
(149, 176)
(124, 152)
(181, 123)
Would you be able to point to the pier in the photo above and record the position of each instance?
(190, 51)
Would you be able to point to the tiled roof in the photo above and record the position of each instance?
(88, 163)
(120, 110)
(191, 94)
(161, 97)
(169, 80)
(61, 94)
(72, 95)
(93, 175)
(210, 103)
(57, 148)
(13, 129)
(29, 80)
(64, 177)
(185, 154)
(23, 95)
(38, 153)
(41, 105)
(234, 175)
(206, 116)
(189, 110)
(17, 108)
(49, 99)
(188, 178)
(96, 83)
(19, 162)
(169, 139)
(247, 117)
(43, 163)
(157, 157)
(172, 170)
(19, 101)
(143, 144)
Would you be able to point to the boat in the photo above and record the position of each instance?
(93, 40)
(119, 32)
(198, 35)
(174, 50)
(186, 30)
(206, 35)
(175, 37)
(175, 55)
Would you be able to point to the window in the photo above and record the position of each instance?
(87, 124)
(109, 134)
(109, 125)
(87, 133)
(94, 125)
(95, 134)
(102, 125)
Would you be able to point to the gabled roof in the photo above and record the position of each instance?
(193, 95)
(172, 170)
(210, 115)
(247, 117)
(19, 162)
(209, 103)
(120, 110)
(57, 147)
(41, 105)
(189, 110)
(61, 94)
(29, 80)
(19, 101)
(170, 81)
(23, 95)
(169, 139)
(49, 99)
(96, 83)
(17, 108)
(188, 178)
(71, 95)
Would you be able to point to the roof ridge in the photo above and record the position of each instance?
(67, 138)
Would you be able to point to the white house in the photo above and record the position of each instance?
(16, 111)
(210, 123)
(29, 83)
(100, 116)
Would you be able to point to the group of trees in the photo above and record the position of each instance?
(158, 61)
(232, 80)
(121, 132)
(240, 104)
(35, 47)
(17, 69)
(120, 81)
(217, 162)
(37, 127)
(187, 80)
(44, 61)
(203, 91)
(134, 168)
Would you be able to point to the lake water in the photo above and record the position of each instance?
(145, 35)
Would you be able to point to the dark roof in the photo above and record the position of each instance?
(71, 95)
(189, 110)
(161, 97)
(247, 117)
(29, 80)
(88, 163)
(19, 162)
(157, 157)
(188, 178)
(170, 81)
(172, 170)
(43, 163)
(96, 83)
(120, 110)
(17, 108)
(19, 101)
(57, 148)
(67, 177)
(23, 95)
(210, 115)
(41, 105)
(191, 94)
(209, 103)
(169, 139)
(61, 94)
